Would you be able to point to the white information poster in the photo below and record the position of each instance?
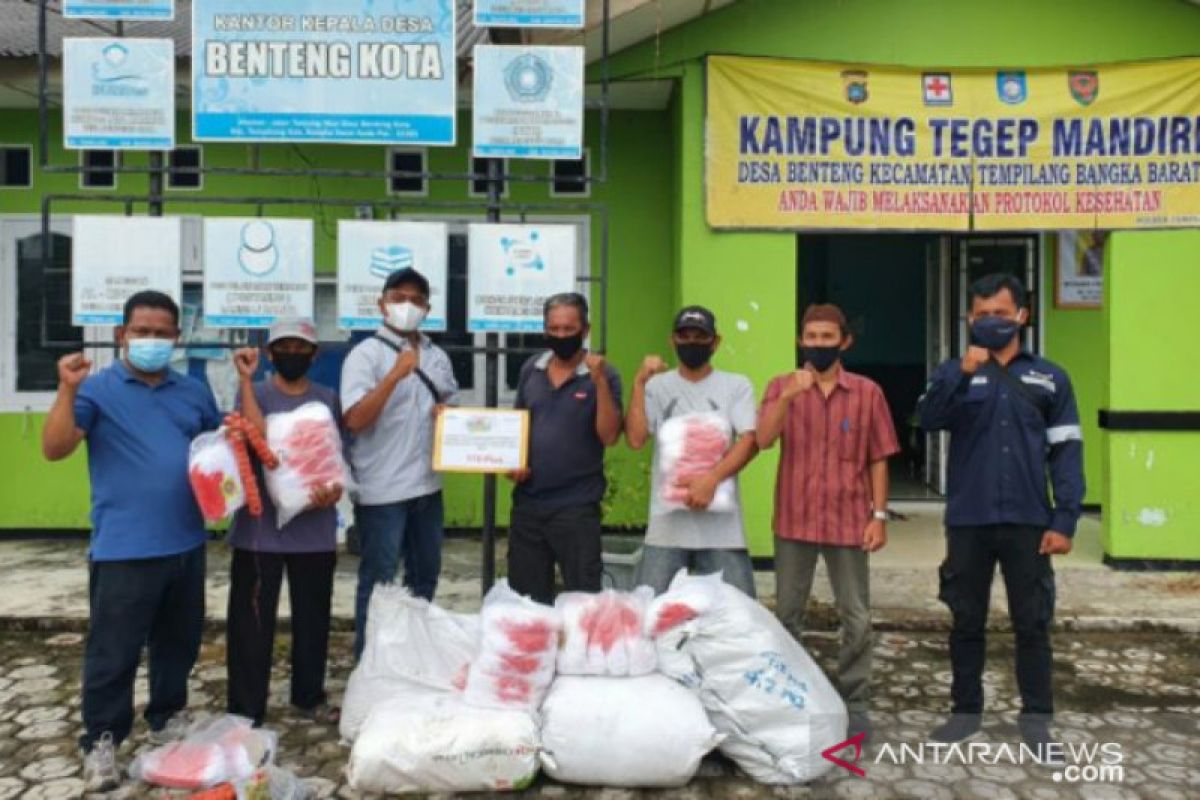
(369, 251)
(512, 269)
(529, 13)
(113, 257)
(118, 94)
(528, 102)
(1080, 273)
(346, 71)
(257, 270)
(119, 9)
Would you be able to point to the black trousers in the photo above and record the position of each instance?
(966, 583)
(540, 538)
(255, 580)
(156, 603)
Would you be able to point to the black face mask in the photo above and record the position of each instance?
(822, 358)
(694, 355)
(565, 347)
(291, 366)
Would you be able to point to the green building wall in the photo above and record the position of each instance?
(36, 494)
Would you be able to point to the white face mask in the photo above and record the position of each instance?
(405, 316)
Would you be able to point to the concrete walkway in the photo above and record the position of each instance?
(45, 583)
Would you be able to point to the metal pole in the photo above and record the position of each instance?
(492, 398)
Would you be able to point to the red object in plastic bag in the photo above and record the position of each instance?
(186, 765)
(529, 637)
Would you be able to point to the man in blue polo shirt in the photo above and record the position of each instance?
(146, 561)
(574, 402)
(1013, 428)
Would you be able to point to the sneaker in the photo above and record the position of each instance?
(1036, 735)
(958, 728)
(100, 766)
(175, 729)
(860, 722)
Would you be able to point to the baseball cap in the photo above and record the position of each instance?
(293, 328)
(697, 317)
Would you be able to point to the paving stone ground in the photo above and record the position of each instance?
(1141, 691)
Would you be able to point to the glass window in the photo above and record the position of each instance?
(456, 314)
(184, 158)
(44, 329)
(479, 187)
(15, 167)
(406, 161)
(569, 178)
(103, 177)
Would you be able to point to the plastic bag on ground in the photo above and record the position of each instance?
(761, 688)
(646, 731)
(433, 741)
(213, 473)
(690, 445)
(517, 652)
(309, 447)
(214, 751)
(410, 644)
(603, 634)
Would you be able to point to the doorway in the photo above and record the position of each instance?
(905, 298)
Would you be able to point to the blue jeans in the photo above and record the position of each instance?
(659, 565)
(156, 603)
(412, 529)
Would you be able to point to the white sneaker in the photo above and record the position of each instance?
(100, 766)
(175, 729)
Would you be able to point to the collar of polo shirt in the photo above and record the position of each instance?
(543, 361)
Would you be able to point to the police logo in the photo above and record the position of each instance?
(855, 83)
(1011, 87)
(528, 79)
(1084, 86)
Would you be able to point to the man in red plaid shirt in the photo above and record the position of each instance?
(831, 491)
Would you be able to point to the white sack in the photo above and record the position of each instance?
(637, 732)
(760, 687)
(603, 633)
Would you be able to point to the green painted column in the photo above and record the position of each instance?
(1151, 506)
(749, 281)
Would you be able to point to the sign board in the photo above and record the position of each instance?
(113, 257)
(370, 251)
(481, 440)
(256, 270)
(1080, 269)
(118, 94)
(347, 71)
(512, 269)
(137, 10)
(808, 145)
(529, 13)
(528, 102)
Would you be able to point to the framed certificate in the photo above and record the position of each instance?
(481, 440)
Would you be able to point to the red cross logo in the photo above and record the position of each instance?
(937, 89)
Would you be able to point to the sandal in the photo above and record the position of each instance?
(322, 713)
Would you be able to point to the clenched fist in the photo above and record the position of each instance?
(802, 380)
(651, 366)
(72, 369)
(246, 362)
(974, 358)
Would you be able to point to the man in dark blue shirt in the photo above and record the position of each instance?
(146, 561)
(574, 402)
(1014, 428)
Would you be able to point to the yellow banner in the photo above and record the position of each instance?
(797, 144)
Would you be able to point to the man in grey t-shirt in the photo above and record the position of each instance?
(701, 539)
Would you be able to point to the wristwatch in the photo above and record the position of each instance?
(882, 516)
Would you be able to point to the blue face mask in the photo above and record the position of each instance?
(994, 333)
(150, 355)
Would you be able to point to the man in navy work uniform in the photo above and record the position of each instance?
(146, 562)
(1012, 421)
(574, 402)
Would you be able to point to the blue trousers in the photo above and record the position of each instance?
(156, 603)
(412, 530)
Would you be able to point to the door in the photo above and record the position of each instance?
(937, 349)
(979, 256)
